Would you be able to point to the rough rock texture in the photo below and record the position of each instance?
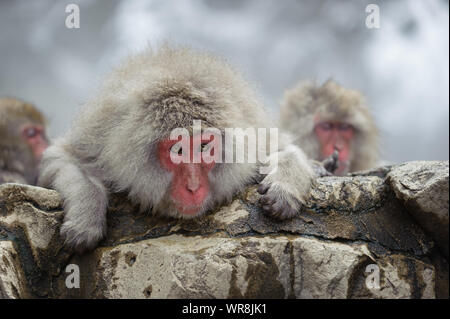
(376, 219)
(423, 188)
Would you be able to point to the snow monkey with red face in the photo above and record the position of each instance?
(326, 118)
(23, 139)
(121, 142)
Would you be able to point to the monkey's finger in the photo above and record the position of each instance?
(281, 210)
(263, 200)
(269, 211)
(335, 154)
(331, 164)
(278, 208)
(267, 200)
(263, 188)
(274, 210)
(288, 212)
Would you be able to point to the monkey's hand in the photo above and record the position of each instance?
(278, 203)
(85, 199)
(284, 189)
(327, 167)
(84, 220)
(85, 215)
(81, 237)
(319, 169)
(331, 164)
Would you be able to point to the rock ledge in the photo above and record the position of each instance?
(389, 224)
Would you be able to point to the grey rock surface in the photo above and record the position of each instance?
(423, 188)
(359, 237)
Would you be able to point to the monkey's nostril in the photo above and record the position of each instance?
(192, 188)
(194, 195)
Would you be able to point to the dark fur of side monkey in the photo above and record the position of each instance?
(22, 141)
(307, 104)
(119, 143)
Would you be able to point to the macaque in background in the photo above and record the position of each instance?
(121, 142)
(22, 141)
(328, 118)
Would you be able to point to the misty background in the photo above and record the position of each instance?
(402, 67)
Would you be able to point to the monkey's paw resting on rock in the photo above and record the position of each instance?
(277, 202)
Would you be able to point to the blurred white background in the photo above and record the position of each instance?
(402, 68)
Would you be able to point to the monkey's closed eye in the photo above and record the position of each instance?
(325, 126)
(30, 132)
(344, 127)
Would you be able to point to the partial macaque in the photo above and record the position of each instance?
(124, 141)
(330, 119)
(22, 141)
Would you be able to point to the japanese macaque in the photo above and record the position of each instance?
(122, 142)
(331, 119)
(22, 141)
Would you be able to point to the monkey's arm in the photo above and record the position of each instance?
(10, 177)
(85, 198)
(284, 189)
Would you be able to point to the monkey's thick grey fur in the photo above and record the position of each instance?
(111, 146)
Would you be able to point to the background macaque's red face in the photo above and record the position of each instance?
(335, 135)
(34, 135)
(190, 183)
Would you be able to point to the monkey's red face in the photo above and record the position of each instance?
(34, 135)
(190, 182)
(335, 135)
